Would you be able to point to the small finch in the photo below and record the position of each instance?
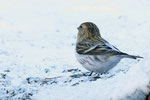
(94, 53)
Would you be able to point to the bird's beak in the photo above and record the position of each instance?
(78, 28)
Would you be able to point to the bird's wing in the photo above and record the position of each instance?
(101, 48)
(98, 49)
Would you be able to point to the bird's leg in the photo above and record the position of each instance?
(91, 73)
(98, 74)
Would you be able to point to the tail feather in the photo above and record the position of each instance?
(133, 57)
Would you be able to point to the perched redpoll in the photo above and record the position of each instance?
(94, 53)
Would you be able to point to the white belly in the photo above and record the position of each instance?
(98, 63)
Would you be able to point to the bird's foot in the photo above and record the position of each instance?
(91, 73)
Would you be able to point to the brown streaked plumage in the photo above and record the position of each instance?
(95, 53)
(88, 32)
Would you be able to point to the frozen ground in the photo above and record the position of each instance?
(37, 41)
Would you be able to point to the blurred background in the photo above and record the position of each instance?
(60, 18)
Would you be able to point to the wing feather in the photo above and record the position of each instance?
(98, 49)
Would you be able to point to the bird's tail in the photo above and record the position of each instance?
(133, 57)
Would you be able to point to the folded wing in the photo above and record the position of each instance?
(101, 48)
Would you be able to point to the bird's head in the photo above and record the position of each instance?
(88, 31)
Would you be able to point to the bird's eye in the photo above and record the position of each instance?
(80, 27)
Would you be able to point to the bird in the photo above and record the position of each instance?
(94, 53)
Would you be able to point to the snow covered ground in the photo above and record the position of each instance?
(37, 42)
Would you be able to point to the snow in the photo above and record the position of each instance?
(37, 42)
